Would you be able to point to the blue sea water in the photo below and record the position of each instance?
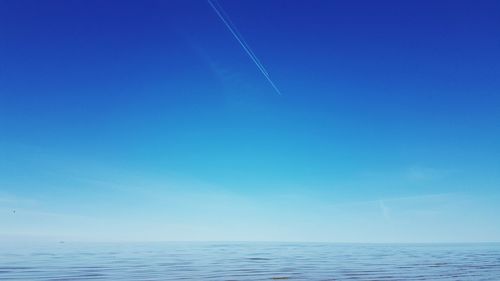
(249, 261)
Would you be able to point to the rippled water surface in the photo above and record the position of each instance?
(249, 261)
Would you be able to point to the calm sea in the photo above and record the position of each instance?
(250, 261)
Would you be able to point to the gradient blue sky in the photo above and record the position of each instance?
(146, 120)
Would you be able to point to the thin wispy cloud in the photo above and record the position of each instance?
(12, 200)
(419, 173)
(384, 209)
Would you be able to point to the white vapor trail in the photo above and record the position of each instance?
(232, 28)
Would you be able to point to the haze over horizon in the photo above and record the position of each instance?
(148, 121)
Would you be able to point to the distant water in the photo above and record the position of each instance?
(250, 261)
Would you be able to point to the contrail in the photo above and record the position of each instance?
(232, 28)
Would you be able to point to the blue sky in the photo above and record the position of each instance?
(147, 121)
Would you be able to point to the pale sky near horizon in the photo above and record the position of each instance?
(148, 121)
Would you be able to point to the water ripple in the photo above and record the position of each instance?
(251, 261)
